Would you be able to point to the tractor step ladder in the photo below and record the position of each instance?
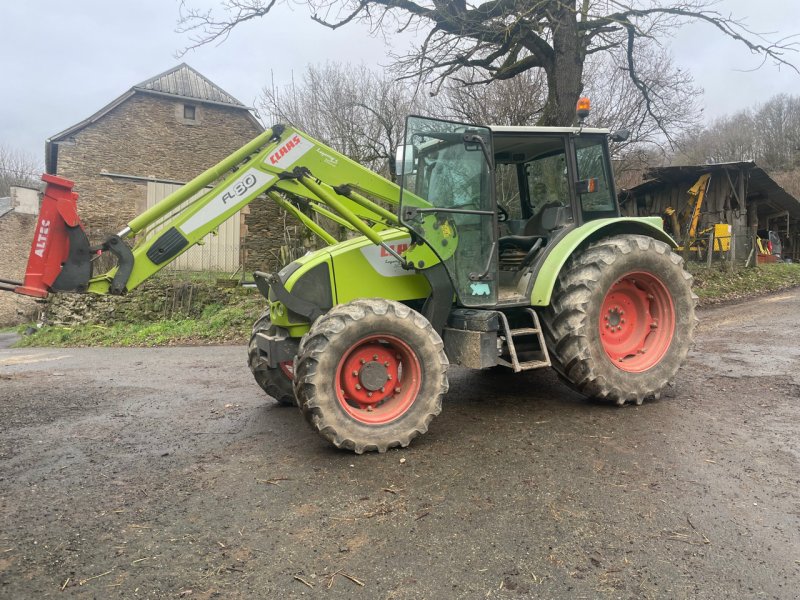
(542, 358)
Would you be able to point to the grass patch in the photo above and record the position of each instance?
(719, 284)
(218, 324)
(228, 319)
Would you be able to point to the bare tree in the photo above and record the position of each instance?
(767, 133)
(517, 101)
(355, 110)
(504, 38)
(17, 168)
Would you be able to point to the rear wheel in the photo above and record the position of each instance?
(277, 382)
(621, 319)
(370, 375)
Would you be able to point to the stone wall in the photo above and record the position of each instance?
(263, 236)
(16, 234)
(155, 299)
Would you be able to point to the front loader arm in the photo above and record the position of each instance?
(283, 164)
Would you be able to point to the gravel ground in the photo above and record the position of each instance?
(166, 473)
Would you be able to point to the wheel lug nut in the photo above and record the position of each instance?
(383, 389)
(622, 320)
(355, 373)
(374, 357)
(386, 364)
(358, 386)
(369, 408)
(389, 376)
(363, 361)
(369, 394)
(397, 390)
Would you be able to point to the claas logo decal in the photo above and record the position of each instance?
(283, 150)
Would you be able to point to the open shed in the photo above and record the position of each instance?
(740, 194)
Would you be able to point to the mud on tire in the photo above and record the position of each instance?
(603, 351)
(276, 382)
(370, 375)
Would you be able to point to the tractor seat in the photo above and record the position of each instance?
(523, 242)
(538, 227)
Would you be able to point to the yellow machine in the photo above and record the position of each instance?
(684, 223)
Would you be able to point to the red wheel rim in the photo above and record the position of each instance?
(637, 322)
(378, 379)
(287, 368)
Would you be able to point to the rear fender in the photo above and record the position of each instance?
(580, 237)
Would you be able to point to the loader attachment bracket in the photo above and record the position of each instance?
(120, 249)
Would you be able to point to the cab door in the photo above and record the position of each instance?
(447, 199)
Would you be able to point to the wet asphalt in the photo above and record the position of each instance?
(167, 473)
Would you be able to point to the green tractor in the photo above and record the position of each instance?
(503, 248)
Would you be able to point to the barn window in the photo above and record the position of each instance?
(189, 112)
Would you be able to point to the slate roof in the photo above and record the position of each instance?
(184, 82)
(179, 82)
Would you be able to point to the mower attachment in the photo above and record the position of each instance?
(60, 257)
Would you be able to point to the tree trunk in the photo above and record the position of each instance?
(564, 73)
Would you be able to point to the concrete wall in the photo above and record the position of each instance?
(25, 200)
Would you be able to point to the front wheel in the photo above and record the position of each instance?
(370, 375)
(277, 382)
(621, 319)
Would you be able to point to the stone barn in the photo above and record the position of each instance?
(144, 144)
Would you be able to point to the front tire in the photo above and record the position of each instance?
(621, 319)
(370, 375)
(277, 382)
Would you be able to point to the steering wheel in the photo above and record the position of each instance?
(503, 214)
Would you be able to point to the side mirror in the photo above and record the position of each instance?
(620, 135)
(404, 167)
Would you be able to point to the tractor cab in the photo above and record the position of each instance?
(507, 194)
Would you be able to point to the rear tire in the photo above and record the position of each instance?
(370, 375)
(621, 319)
(277, 382)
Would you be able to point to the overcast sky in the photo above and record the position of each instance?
(60, 61)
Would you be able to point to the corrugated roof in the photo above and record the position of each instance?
(183, 81)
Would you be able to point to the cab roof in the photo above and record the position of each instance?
(554, 130)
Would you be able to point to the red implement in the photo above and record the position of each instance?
(50, 249)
